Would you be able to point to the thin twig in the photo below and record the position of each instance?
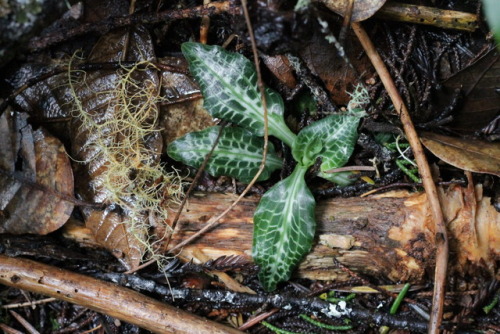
(25, 323)
(204, 26)
(103, 27)
(256, 319)
(195, 181)
(347, 21)
(184, 201)
(9, 330)
(214, 220)
(424, 170)
(31, 304)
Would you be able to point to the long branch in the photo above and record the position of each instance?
(221, 299)
(441, 238)
(104, 297)
(102, 27)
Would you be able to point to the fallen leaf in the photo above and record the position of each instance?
(176, 85)
(35, 177)
(112, 231)
(116, 135)
(472, 155)
(182, 111)
(280, 67)
(479, 83)
(323, 59)
(362, 10)
(181, 118)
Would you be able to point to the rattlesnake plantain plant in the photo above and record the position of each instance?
(284, 222)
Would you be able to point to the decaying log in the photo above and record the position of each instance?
(388, 236)
(104, 297)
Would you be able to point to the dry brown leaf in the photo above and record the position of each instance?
(112, 232)
(36, 172)
(184, 117)
(362, 10)
(479, 82)
(122, 230)
(280, 67)
(471, 155)
(98, 98)
(183, 110)
(117, 156)
(323, 59)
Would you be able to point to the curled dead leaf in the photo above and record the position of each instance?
(279, 65)
(35, 177)
(182, 111)
(112, 231)
(471, 155)
(115, 134)
(362, 10)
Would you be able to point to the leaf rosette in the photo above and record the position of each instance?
(284, 221)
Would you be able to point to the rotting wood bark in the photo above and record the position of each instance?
(104, 297)
(389, 236)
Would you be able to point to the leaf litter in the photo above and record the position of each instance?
(35, 178)
(112, 213)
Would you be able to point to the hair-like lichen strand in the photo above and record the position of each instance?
(133, 177)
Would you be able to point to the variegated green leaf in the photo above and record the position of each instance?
(238, 153)
(284, 228)
(341, 178)
(335, 134)
(228, 82)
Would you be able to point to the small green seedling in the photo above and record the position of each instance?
(284, 221)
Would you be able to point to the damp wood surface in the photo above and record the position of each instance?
(387, 236)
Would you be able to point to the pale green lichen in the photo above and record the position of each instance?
(133, 178)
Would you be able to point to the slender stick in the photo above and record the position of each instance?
(205, 25)
(441, 239)
(115, 301)
(195, 181)
(57, 37)
(214, 220)
(30, 304)
(447, 19)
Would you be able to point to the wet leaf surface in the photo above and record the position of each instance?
(182, 109)
(362, 10)
(34, 168)
(112, 231)
(472, 155)
(238, 153)
(323, 59)
(479, 83)
(229, 84)
(116, 135)
(284, 226)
